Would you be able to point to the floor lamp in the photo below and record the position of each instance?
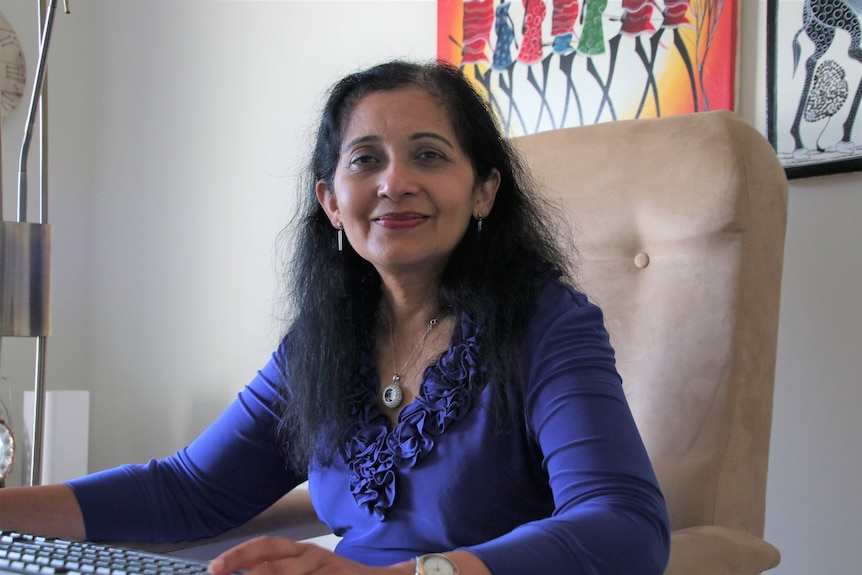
(25, 254)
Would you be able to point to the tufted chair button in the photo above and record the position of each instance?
(641, 260)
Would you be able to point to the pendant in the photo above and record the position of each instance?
(392, 394)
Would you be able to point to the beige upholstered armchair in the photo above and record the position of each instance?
(680, 225)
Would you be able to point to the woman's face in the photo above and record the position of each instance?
(403, 189)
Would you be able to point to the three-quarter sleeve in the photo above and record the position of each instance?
(235, 469)
(609, 515)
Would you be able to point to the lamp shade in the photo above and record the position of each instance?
(25, 279)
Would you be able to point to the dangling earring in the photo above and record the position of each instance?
(340, 235)
(479, 218)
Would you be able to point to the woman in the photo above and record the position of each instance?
(453, 403)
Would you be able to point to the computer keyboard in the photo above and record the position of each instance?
(21, 553)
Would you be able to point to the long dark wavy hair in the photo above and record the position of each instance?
(491, 276)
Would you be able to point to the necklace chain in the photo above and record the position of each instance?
(392, 394)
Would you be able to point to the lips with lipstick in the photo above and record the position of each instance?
(400, 220)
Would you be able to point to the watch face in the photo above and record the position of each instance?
(7, 449)
(437, 565)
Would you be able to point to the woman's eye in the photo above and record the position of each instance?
(359, 159)
(430, 155)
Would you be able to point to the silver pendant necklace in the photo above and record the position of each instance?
(392, 394)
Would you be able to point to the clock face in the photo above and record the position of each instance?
(13, 74)
(7, 449)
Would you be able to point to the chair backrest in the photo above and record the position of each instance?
(679, 223)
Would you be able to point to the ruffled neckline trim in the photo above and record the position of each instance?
(374, 452)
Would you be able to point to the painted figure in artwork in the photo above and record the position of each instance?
(592, 34)
(531, 43)
(563, 20)
(675, 16)
(504, 26)
(821, 21)
(478, 21)
(635, 22)
(503, 63)
(593, 42)
(532, 51)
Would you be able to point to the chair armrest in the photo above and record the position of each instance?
(714, 550)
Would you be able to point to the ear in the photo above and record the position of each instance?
(486, 192)
(326, 199)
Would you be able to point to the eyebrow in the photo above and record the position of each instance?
(413, 137)
(434, 135)
(359, 140)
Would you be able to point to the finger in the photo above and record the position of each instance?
(254, 552)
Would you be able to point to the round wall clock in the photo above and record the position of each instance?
(7, 450)
(13, 73)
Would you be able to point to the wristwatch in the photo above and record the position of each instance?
(435, 564)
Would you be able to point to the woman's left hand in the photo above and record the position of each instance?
(279, 556)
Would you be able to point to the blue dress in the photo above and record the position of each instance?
(569, 489)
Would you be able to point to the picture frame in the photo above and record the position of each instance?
(549, 64)
(815, 130)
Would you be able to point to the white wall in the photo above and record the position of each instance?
(176, 129)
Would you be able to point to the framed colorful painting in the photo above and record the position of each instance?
(814, 84)
(548, 64)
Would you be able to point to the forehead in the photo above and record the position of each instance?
(391, 111)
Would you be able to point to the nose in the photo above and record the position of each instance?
(397, 180)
